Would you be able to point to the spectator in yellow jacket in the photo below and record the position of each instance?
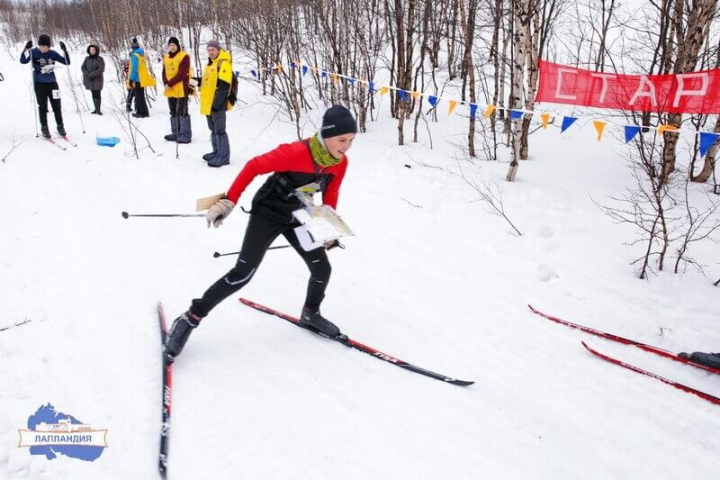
(140, 78)
(214, 92)
(176, 78)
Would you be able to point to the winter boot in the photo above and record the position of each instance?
(179, 333)
(209, 156)
(185, 129)
(222, 157)
(707, 359)
(61, 130)
(97, 102)
(45, 131)
(172, 137)
(317, 322)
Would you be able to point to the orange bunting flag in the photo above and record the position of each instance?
(489, 110)
(334, 77)
(415, 94)
(314, 69)
(384, 90)
(545, 117)
(665, 128)
(278, 67)
(451, 106)
(600, 127)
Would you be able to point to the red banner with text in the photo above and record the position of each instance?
(695, 92)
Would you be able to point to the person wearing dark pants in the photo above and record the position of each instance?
(320, 159)
(176, 78)
(140, 79)
(214, 102)
(93, 69)
(44, 82)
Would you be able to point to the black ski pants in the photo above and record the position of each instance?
(261, 232)
(43, 93)
(178, 106)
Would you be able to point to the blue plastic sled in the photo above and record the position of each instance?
(107, 141)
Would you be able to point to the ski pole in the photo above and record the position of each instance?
(127, 215)
(217, 254)
(35, 106)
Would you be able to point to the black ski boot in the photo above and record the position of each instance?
(707, 359)
(61, 130)
(45, 131)
(179, 333)
(317, 322)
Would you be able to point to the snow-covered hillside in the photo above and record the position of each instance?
(430, 277)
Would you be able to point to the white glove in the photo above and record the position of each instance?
(219, 212)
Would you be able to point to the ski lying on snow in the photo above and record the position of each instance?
(626, 341)
(166, 395)
(52, 140)
(348, 342)
(69, 141)
(684, 388)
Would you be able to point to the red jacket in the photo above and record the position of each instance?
(295, 163)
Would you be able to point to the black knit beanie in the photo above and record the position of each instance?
(337, 121)
(134, 44)
(175, 41)
(44, 40)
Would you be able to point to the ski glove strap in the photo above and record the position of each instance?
(219, 212)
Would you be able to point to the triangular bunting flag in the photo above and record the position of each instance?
(433, 100)
(304, 69)
(371, 87)
(600, 127)
(351, 81)
(403, 95)
(384, 90)
(254, 73)
(278, 67)
(516, 114)
(334, 77)
(665, 128)
(489, 110)
(707, 140)
(545, 117)
(451, 106)
(415, 94)
(323, 74)
(567, 121)
(473, 111)
(630, 132)
(292, 65)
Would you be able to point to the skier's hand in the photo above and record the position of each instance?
(62, 46)
(219, 212)
(28, 45)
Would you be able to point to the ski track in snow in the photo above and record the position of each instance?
(431, 278)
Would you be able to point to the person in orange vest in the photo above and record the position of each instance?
(140, 78)
(176, 78)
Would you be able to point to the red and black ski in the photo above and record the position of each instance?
(626, 341)
(348, 342)
(684, 388)
(166, 395)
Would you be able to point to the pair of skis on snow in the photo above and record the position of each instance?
(641, 346)
(343, 339)
(62, 137)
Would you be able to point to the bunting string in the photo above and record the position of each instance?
(705, 139)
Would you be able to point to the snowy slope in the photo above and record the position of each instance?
(431, 277)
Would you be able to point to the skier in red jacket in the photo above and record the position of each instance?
(320, 159)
